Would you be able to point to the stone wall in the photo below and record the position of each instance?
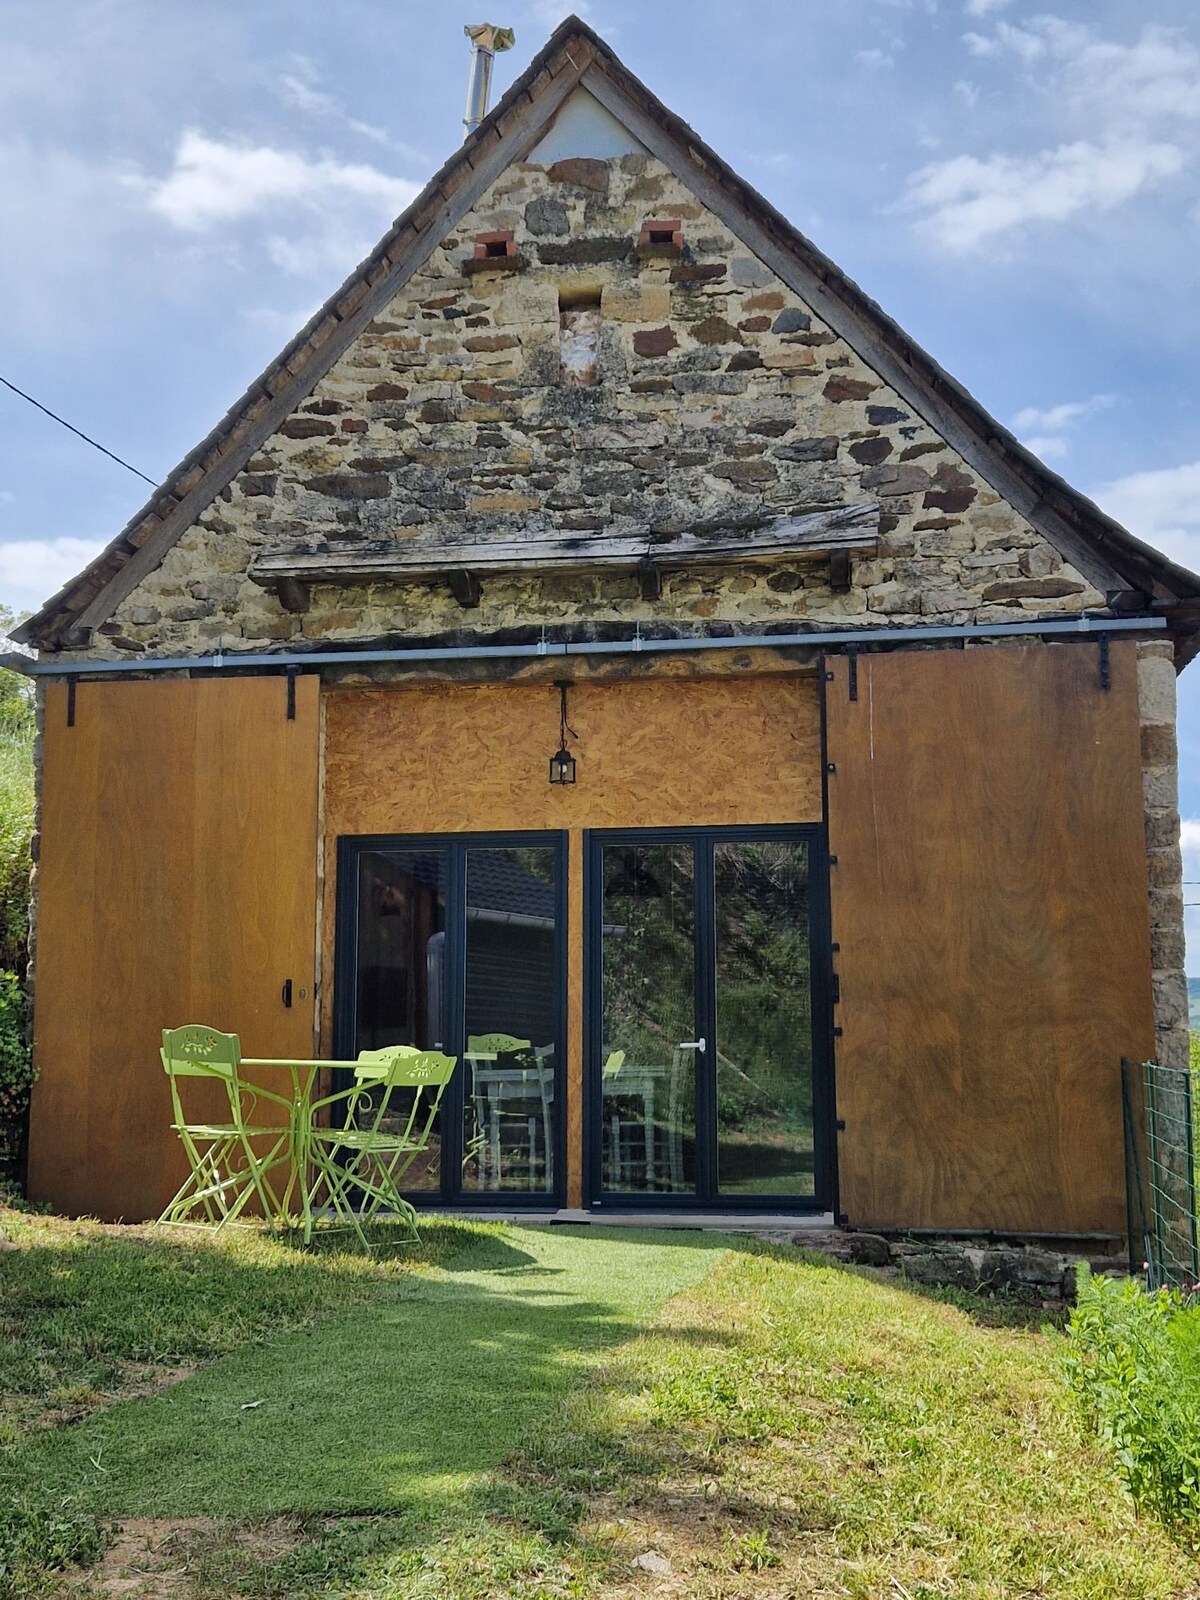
(1160, 778)
(721, 398)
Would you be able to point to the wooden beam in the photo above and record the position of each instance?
(650, 579)
(334, 559)
(464, 586)
(293, 594)
(839, 572)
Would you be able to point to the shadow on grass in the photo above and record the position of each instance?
(378, 1396)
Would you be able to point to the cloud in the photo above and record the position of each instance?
(967, 92)
(981, 8)
(1155, 77)
(1161, 506)
(874, 58)
(31, 570)
(1123, 112)
(298, 90)
(966, 201)
(327, 256)
(1044, 430)
(217, 181)
(1062, 416)
(1048, 447)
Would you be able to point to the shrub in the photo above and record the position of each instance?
(1134, 1362)
(16, 831)
(16, 1066)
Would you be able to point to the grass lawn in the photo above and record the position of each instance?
(535, 1413)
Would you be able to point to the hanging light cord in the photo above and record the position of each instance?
(564, 727)
(77, 432)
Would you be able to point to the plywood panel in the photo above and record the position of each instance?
(990, 903)
(176, 883)
(651, 753)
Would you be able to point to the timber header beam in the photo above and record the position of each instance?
(818, 534)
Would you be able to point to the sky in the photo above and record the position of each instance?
(1017, 184)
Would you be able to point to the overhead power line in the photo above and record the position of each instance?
(78, 432)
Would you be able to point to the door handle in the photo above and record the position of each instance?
(693, 1044)
(286, 994)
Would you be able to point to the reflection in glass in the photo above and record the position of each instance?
(511, 1019)
(649, 1010)
(400, 978)
(764, 1020)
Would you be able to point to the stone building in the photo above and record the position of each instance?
(868, 873)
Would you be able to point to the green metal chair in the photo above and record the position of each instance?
(360, 1165)
(226, 1171)
(490, 1115)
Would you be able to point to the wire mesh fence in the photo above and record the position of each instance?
(1160, 1167)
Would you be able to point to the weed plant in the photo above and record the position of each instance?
(1133, 1360)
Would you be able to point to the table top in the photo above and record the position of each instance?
(288, 1061)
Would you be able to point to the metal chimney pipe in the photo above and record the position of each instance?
(486, 39)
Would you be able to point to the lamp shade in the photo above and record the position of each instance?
(562, 766)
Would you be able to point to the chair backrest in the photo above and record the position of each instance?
(402, 1067)
(375, 1063)
(616, 1060)
(424, 1073)
(501, 1044)
(195, 1051)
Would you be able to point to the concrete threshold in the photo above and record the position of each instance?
(764, 1225)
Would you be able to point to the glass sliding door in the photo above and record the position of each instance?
(708, 1033)
(648, 1017)
(399, 976)
(455, 943)
(764, 1019)
(511, 1002)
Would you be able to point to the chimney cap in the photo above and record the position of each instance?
(487, 36)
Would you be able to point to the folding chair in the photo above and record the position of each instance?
(360, 1165)
(226, 1171)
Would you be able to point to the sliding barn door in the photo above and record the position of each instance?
(176, 883)
(989, 900)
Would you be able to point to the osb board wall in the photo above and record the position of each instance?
(176, 884)
(653, 753)
(990, 904)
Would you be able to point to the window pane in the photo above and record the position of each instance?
(400, 993)
(649, 1010)
(764, 1020)
(511, 1019)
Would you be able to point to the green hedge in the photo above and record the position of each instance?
(16, 833)
(16, 1068)
(1134, 1362)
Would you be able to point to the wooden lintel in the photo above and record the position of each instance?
(333, 559)
(464, 586)
(839, 571)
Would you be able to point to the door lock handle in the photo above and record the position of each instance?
(693, 1044)
(286, 993)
